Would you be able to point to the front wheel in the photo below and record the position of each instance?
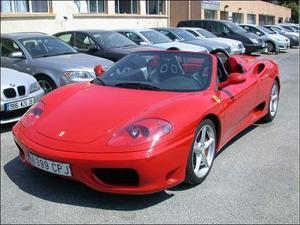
(202, 153)
(46, 83)
(273, 103)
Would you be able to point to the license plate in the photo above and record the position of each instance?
(19, 104)
(49, 165)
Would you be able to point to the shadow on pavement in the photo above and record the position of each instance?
(6, 127)
(55, 189)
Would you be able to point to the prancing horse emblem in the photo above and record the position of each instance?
(62, 133)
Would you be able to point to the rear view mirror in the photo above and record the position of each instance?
(18, 55)
(99, 70)
(93, 48)
(233, 78)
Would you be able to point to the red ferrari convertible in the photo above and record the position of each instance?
(151, 121)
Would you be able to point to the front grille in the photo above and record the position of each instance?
(127, 177)
(21, 90)
(9, 93)
(12, 114)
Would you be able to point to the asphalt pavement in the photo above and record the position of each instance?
(255, 179)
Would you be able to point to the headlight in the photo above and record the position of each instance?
(33, 114)
(254, 40)
(79, 75)
(141, 132)
(34, 87)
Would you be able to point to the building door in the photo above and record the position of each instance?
(251, 19)
(210, 14)
(237, 17)
(223, 15)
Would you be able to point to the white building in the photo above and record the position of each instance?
(51, 16)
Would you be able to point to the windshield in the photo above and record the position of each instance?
(109, 40)
(46, 46)
(234, 27)
(266, 30)
(154, 37)
(186, 36)
(160, 71)
(206, 33)
(290, 29)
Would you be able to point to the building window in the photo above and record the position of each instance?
(126, 6)
(223, 15)
(25, 6)
(280, 19)
(155, 7)
(89, 6)
(210, 14)
(237, 17)
(266, 20)
(251, 19)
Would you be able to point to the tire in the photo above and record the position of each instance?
(271, 47)
(272, 103)
(46, 83)
(195, 159)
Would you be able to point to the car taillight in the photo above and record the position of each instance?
(141, 132)
(33, 114)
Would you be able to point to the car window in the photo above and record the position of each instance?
(206, 33)
(193, 33)
(167, 71)
(66, 37)
(186, 36)
(8, 46)
(83, 41)
(247, 28)
(168, 34)
(155, 37)
(46, 46)
(111, 39)
(133, 37)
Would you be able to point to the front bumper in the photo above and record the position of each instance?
(254, 47)
(15, 115)
(159, 169)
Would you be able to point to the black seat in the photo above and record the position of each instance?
(221, 72)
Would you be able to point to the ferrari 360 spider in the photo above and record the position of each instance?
(151, 121)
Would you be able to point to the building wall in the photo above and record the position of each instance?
(64, 17)
(180, 10)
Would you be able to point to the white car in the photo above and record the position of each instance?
(19, 91)
(142, 36)
(237, 47)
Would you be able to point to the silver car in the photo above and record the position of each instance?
(236, 46)
(143, 36)
(18, 92)
(274, 42)
(51, 61)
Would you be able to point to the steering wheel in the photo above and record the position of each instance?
(222, 54)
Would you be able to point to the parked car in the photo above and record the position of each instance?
(103, 43)
(274, 42)
(19, 91)
(293, 37)
(289, 27)
(236, 47)
(176, 34)
(228, 29)
(155, 119)
(52, 62)
(143, 36)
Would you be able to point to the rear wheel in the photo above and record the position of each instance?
(202, 153)
(46, 83)
(270, 47)
(273, 103)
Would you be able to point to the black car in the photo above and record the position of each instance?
(228, 29)
(106, 44)
(181, 35)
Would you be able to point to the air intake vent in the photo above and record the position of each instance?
(124, 177)
(21, 90)
(9, 93)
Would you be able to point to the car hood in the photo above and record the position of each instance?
(231, 42)
(181, 46)
(130, 49)
(12, 77)
(74, 61)
(93, 112)
(209, 44)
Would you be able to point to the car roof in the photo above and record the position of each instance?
(222, 21)
(137, 29)
(88, 31)
(21, 35)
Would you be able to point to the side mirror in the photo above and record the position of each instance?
(99, 70)
(18, 55)
(143, 43)
(176, 39)
(233, 78)
(93, 48)
(258, 33)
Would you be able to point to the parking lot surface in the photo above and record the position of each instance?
(253, 180)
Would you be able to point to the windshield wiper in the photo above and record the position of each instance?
(136, 85)
(57, 54)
